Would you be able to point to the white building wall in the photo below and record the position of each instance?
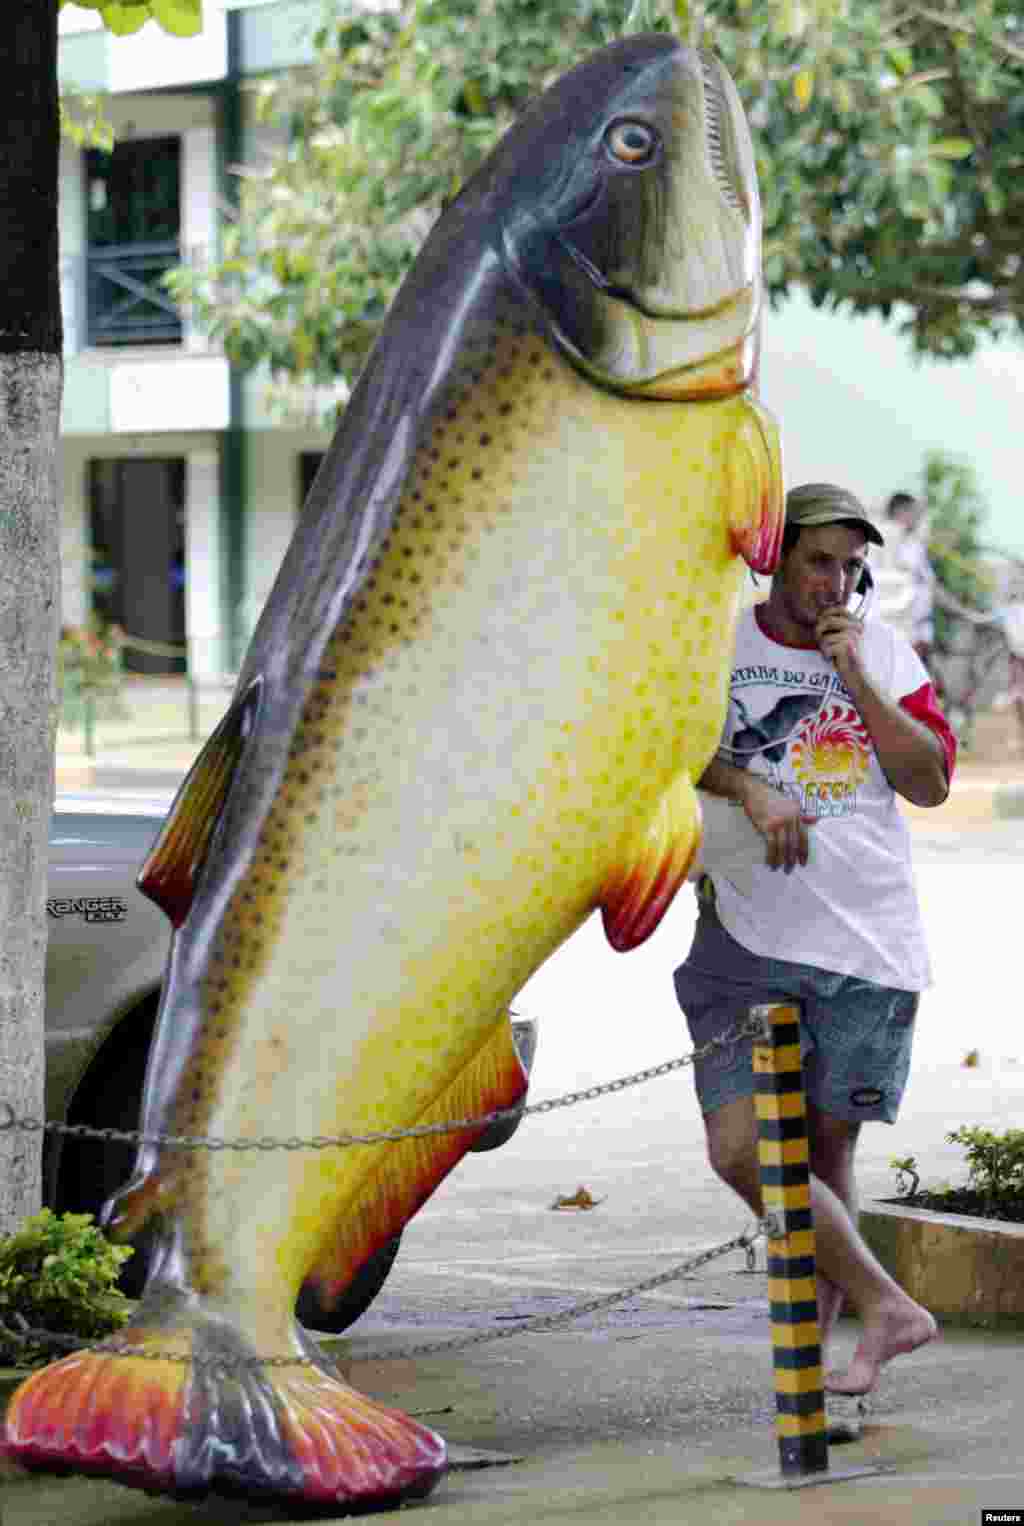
(199, 176)
(71, 223)
(204, 616)
(272, 472)
(76, 600)
(168, 391)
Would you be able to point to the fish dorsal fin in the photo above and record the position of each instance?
(173, 865)
(651, 867)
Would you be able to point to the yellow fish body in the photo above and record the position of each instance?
(493, 664)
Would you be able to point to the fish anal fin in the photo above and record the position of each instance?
(755, 490)
(651, 867)
(409, 1171)
(173, 865)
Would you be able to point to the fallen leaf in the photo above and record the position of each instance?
(581, 1198)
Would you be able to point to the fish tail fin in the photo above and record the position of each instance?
(184, 1405)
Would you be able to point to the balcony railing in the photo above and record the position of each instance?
(125, 301)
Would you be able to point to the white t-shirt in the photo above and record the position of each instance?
(853, 908)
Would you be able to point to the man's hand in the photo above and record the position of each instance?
(911, 755)
(779, 821)
(839, 635)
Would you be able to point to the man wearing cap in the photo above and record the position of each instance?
(830, 718)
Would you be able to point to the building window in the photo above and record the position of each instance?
(137, 522)
(133, 233)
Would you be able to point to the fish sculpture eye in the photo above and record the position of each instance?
(632, 143)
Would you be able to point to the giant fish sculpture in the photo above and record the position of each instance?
(492, 665)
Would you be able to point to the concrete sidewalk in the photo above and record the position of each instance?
(641, 1425)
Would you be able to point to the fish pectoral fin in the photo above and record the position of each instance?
(755, 491)
(652, 867)
(173, 865)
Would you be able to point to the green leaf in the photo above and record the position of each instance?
(182, 18)
(952, 148)
(930, 100)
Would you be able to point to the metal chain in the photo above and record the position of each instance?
(25, 1334)
(580, 1310)
(748, 1027)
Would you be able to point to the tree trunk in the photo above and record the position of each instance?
(30, 391)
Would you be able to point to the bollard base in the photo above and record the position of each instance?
(771, 1478)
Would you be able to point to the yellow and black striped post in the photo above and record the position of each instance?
(786, 1196)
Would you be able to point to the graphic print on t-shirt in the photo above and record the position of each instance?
(830, 755)
(812, 745)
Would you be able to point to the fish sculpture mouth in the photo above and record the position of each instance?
(647, 259)
(723, 341)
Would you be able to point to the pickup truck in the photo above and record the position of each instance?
(104, 965)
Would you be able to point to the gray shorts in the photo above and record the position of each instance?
(855, 1036)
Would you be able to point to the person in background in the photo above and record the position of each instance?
(831, 717)
(908, 537)
(1011, 618)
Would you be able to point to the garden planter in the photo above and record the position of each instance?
(965, 1270)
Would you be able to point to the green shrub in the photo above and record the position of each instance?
(995, 1162)
(995, 1176)
(90, 672)
(60, 1274)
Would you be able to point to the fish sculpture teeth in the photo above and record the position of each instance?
(492, 666)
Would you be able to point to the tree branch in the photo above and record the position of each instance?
(959, 24)
(1003, 300)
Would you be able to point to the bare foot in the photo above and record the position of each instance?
(891, 1331)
